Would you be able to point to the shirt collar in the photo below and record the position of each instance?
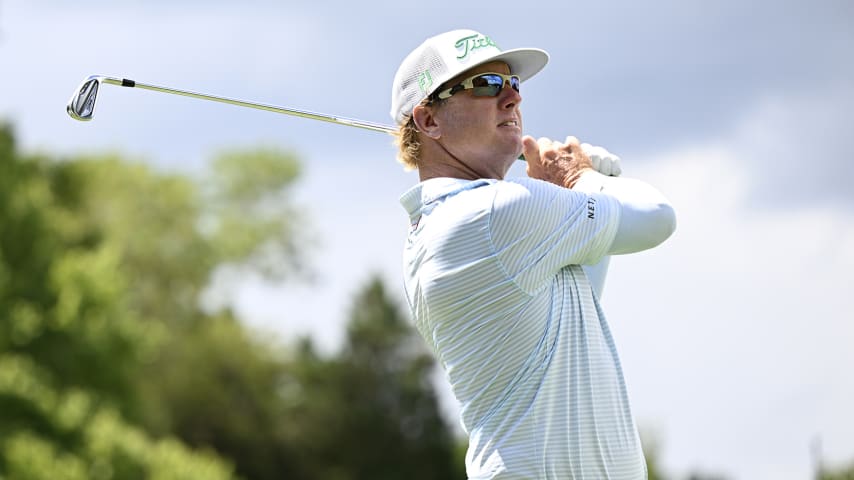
(420, 197)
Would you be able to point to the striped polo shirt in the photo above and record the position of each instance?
(492, 272)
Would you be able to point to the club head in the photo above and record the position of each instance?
(82, 104)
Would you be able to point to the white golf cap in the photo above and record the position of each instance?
(447, 55)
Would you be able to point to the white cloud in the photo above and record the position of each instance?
(731, 331)
(797, 147)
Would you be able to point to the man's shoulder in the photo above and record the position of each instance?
(516, 191)
(530, 185)
(488, 193)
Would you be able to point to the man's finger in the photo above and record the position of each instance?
(595, 161)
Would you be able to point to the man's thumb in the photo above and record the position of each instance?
(530, 148)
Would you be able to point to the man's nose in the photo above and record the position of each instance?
(509, 96)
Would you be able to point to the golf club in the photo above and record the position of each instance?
(82, 103)
(81, 106)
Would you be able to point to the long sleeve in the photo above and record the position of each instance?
(646, 216)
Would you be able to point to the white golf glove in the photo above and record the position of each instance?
(603, 161)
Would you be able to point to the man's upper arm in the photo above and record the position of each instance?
(538, 228)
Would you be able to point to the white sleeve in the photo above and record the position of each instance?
(538, 228)
(646, 217)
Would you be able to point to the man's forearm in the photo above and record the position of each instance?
(646, 216)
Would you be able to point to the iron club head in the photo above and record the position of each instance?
(81, 106)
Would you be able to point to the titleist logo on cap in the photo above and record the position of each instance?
(470, 43)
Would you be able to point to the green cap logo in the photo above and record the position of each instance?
(471, 43)
(425, 81)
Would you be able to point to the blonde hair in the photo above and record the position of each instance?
(407, 136)
(408, 144)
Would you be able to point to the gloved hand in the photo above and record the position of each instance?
(603, 161)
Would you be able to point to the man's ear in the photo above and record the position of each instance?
(425, 121)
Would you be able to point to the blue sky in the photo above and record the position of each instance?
(735, 335)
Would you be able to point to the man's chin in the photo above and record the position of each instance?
(520, 147)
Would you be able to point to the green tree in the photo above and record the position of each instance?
(371, 412)
(111, 367)
(211, 382)
(651, 450)
(215, 384)
(836, 473)
(70, 343)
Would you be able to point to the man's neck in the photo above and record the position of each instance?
(439, 162)
(430, 170)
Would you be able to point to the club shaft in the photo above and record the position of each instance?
(76, 112)
(377, 127)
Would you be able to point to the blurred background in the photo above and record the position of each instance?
(195, 290)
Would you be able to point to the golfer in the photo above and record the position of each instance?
(503, 276)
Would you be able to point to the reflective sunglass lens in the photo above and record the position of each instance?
(483, 85)
(490, 85)
(487, 85)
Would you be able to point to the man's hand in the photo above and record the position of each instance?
(556, 162)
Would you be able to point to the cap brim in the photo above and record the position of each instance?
(524, 62)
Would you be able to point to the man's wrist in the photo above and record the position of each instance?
(572, 180)
(588, 181)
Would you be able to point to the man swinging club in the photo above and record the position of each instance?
(503, 276)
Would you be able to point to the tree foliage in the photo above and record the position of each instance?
(112, 368)
(71, 339)
(214, 384)
(844, 472)
(375, 401)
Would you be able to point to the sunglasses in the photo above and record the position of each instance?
(487, 84)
